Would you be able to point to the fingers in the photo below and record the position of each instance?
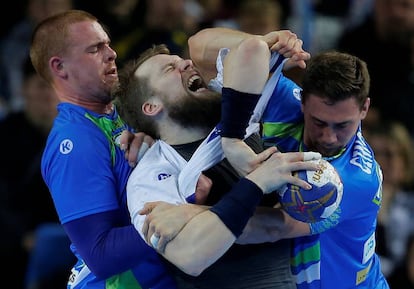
(148, 207)
(157, 239)
(300, 156)
(297, 60)
(135, 145)
(146, 210)
(287, 41)
(296, 162)
(158, 243)
(160, 224)
(308, 156)
(300, 183)
(154, 240)
(290, 46)
(162, 243)
(125, 139)
(277, 171)
(264, 155)
(143, 148)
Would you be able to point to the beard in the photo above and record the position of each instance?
(200, 112)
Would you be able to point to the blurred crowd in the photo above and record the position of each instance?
(381, 32)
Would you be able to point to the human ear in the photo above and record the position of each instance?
(57, 67)
(365, 107)
(152, 107)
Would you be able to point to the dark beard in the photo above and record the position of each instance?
(202, 112)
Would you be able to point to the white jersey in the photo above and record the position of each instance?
(163, 175)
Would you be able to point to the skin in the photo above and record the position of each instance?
(183, 228)
(284, 41)
(88, 74)
(205, 44)
(172, 72)
(329, 127)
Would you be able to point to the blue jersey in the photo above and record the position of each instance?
(86, 173)
(340, 253)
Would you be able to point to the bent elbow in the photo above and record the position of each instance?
(100, 272)
(190, 265)
(196, 50)
(192, 270)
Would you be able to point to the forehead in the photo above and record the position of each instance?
(155, 65)
(87, 32)
(338, 112)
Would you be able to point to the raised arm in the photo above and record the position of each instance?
(205, 44)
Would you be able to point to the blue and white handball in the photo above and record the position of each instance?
(317, 203)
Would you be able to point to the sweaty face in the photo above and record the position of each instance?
(329, 127)
(184, 94)
(91, 64)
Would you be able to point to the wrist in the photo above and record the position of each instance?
(237, 206)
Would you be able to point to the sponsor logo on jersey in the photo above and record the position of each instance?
(361, 155)
(163, 176)
(363, 274)
(296, 93)
(65, 146)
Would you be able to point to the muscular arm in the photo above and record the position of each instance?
(205, 45)
(203, 239)
(207, 235)
(193, 250)
(270, 225)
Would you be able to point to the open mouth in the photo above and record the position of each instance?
(112, 71)
(195, 83)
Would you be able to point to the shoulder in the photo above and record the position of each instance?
(73, 136)
(358, 165)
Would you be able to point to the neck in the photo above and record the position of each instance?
(175, 134)
(96, 106)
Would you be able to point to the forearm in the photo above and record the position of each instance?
(200, 243)
(205, 45)
(271, 225)
(192, 250)
(209, 234)
(106, 249)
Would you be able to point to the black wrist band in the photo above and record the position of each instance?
(238, 205)
(236, 109)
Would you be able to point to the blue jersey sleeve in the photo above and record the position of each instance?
(77, 166)
(109, 250)
(286, 92)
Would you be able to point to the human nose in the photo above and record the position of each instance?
(185, 64)
(111, 53)
(329, 136)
